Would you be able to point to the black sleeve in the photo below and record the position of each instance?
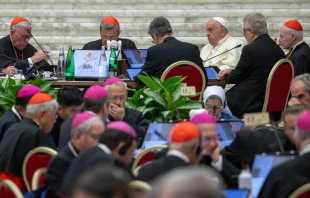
(44, 140)
(55, 173)
(136, 119)
(65, 133)
(301, 65)
(132, 45)
(148, 66)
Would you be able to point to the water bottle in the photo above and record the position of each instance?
(61, 64)
(69, 65)
(103, 68)
(245, 179)
(113, 63)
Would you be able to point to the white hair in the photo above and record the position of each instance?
(85, 126)
(109, 26)
(117, 84)
(25, 24)
(299, 34)
(33, 110)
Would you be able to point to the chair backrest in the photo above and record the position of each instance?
(36, 158)
(146, 155)
(278, 88)
(38, 178)
(194, 75)
(301, 192)
(9, 190)
(139, 188)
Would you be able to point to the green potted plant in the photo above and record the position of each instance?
(9, 88)
(162, 101)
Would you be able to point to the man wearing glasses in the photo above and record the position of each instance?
(16, 52)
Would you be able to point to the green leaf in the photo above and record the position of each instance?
(156, 96)
(6, 98)
(173, 82)
(137, 95)
(130, 104)
(167, 115)
(158, 118)
(52, 92)
(148, 100)
(148, 81)
(158, 81)
(141, 108)
(148, 109)
(45, 86)
(190, 105)
(4, 83)
(15, 89)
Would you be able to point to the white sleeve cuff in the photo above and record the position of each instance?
(218, 165)
(30, 62)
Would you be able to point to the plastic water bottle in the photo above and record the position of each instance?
(103, 68)
(61, 64)
(245, 179)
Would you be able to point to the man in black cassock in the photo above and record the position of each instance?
(18, 111)
(109, 30)
(291, 38)
(16, 51)
(115, 147)
(84, 124)
(28, 134)
(287, 177)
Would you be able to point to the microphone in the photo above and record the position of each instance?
(277, 136)
(223, 52)
(13, 58)
(160, 136)
(39, 46)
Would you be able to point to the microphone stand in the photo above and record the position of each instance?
(277, 136)
(223, 52)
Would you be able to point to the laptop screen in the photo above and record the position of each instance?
(262, 166)
(227, 130)
(132, 72)
(135, 57)
(212, 73)
(86, 63)
(232, 193)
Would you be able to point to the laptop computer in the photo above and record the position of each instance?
(236, 193)
(227, 130)
(261, 168)
(132, 72)
(212, 73)
(86, 63)
(135, 57)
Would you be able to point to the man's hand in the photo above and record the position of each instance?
(224, 73)
(10, 70)
(293, 101)
(37, 57)
(118, 113)
(215, 153)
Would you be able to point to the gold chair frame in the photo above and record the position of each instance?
(300, 190)
(36, 178)
(40, 149)
(184, 62)
(13, 188)
(140, 185)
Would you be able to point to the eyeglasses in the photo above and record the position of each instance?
(115, 98)
(109, 37)
(244, 30)
(24, 38)
(153, 42)
(211, 138)
(213, 107)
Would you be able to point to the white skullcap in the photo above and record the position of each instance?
(222, 21)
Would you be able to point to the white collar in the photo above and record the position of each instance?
(178, 154)
(305, 150)
(297, 45)
(222, 40)
(72, 149)
(16, 113)
(104, 148)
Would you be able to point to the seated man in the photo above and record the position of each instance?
(183, 150)
(21, 54)
(18, 111)
(115, 147)
(287, 177)
(117, 89)
(70, 102)
(252, 71)
(300, 90)
(97, 101)
(291, 38)
(86, 132)
(219, 42)
(109, 30)
(28, 134)
(167, 50)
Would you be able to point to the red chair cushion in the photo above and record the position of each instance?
(19, 182)
(304, 195)
(194, 77)
(7, 193)
(146, 158)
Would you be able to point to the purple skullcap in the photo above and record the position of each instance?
(80, 118)
(28, 91)
(122, 126)
(203, 118)
(111, 81)
(96, 92)
(303, 122)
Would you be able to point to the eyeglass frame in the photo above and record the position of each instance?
(217, 107)
(23, 38)
(116, 98)
(209, 138)
(244, 30)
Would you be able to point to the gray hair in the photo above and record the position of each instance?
(305, 78)
(257, 22)
(117, 84)
(25, 24)
(299, 34)
(33, 110)
(95, 105)
(109, 26)
(189, 182)
(85, 126)
(295, 110)
(160, 26)
(185, 147)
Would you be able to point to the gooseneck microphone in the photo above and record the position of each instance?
(13, 59)
(237, 46)
(39, 46)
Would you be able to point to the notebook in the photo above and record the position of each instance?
(135, 57)
(227, 130)
(86, 63)
(234, 193)
(262, 166)
(132, 72)
(212, 72)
